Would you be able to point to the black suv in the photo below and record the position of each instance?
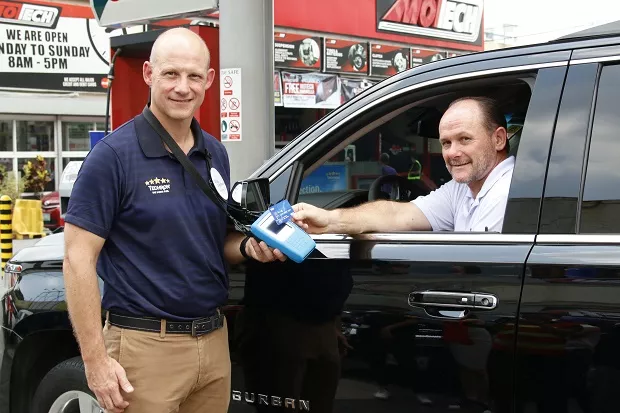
(526, 320)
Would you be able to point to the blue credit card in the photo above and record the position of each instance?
(281, 211)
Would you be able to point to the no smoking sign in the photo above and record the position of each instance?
(230, 102)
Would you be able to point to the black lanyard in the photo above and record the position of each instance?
(207, 187)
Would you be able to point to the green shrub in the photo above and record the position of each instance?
(36, 175)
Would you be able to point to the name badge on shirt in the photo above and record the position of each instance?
(220, 185)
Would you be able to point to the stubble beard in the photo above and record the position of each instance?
(479, 169)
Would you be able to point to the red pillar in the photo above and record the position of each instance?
(130, 93)
(209, 113)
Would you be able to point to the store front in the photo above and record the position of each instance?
(59, 139)
(53, 65)
(327, 52)
(53, 71)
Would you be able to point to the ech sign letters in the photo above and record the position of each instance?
(455, 20)
(29, 14)
(46, 48)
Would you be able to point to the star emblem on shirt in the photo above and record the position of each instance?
(158, 186)
(156, 181)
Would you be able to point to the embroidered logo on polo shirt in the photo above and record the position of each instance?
(158, 185)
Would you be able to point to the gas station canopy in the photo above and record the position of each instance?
(126, 13)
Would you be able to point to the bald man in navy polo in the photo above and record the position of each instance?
(138, 220)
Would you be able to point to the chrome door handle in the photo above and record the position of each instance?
(476, 301)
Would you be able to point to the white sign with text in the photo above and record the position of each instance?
(230, 104)
(72, 56)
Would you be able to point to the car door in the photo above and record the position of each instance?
(569, 332)
(426, 321)
(431, 317)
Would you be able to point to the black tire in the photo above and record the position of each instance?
(65, 377)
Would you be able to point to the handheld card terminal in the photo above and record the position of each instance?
(288, 237)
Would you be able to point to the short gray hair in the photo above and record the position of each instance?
(491, 113)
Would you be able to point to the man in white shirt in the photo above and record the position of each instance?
(473, 138)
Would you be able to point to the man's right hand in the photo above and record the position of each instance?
(106, 378)
(311, 219)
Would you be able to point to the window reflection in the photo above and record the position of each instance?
(35, 136)
(601, 196)
(75, 136)
(6, 135)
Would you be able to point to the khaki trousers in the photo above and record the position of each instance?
(173, 373)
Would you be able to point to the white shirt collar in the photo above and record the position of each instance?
(505, 166)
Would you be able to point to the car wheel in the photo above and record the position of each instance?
(64, 389)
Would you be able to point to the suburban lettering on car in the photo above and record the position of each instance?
(275, 401)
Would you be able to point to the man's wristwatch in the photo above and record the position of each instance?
(242, 248)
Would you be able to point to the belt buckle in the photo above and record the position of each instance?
(195, 323)
(194, 326)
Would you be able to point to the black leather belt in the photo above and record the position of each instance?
(196, 327)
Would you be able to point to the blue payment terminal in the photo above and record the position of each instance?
(288, 237)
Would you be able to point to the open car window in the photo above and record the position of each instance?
(341, 174)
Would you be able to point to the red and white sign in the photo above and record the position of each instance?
(230, 104)
(234, 126)
(451, 25)
(52, 46)
(456, 24)
(277, 88)
(28, 14)
(456, 20)
(387, 60)
(346, 56)
(310, 90)
(297, 51)
(423, 56)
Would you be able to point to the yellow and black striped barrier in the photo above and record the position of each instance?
(6, 230)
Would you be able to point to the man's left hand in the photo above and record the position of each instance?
(262, 253)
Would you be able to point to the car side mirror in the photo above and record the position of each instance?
(252, 194)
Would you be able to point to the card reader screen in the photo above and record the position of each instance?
(275, 228)
(281, 232)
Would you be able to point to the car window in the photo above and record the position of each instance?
(601, 193)
(564, 176)
(277, 188)
(403, 142)
(345, 178)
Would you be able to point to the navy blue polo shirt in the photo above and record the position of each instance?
(164, 251)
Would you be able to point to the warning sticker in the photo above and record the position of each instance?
(231, 104)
